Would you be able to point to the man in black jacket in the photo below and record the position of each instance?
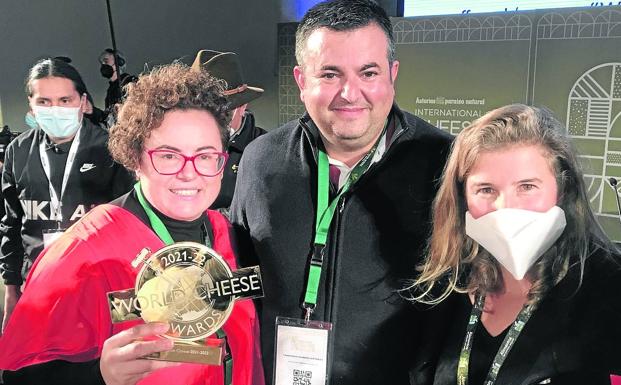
(113, 68)
(242, 129)
(382, 164)
(54, 173)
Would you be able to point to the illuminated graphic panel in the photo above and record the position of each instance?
(452, 7)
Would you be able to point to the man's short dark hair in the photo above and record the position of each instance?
(343, 15)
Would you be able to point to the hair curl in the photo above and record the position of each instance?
(166, 88)
(454, 261)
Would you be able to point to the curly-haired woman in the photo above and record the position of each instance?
(171, 131)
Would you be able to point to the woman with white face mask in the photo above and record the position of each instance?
(514, 234)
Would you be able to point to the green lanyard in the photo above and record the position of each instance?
(503, 351)
(325, 214)
(162, 232)
(156, 223)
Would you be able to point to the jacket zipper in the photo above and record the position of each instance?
(331, 279)
(332, 257)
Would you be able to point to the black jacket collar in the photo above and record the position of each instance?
(245, 135)
(312, 132)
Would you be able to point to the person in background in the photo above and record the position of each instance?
(516, 242)
(112, 67)
(377, 166)
(242, 129)
(94, 114)
(171, 131)
(91, 112)
(5, 138)
(53, 174)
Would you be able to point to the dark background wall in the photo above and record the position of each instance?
(148, 32)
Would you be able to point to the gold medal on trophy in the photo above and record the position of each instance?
(190, 287)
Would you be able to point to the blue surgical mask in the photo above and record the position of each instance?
(58, 122)
(30, 120)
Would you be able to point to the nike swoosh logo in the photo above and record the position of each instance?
(86, 167)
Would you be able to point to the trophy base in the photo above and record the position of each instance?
(210, 353)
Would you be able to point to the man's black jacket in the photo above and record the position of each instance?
(236, 146)
(376, 240)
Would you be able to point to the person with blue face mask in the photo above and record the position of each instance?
(30, 120)
(54, 172)
(60, 119)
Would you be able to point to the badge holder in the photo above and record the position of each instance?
(50, 235)
(190, 287)
(301, 353)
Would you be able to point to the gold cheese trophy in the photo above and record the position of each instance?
(190, 287)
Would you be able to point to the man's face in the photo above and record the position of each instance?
(346, 84)
(55, 91)
(237, 116)
(108, 59)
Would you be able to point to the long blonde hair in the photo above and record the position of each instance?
(454, 261)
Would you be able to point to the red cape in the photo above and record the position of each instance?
(64, 312)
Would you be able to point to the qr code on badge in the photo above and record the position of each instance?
(302, 377)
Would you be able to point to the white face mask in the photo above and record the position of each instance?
(515, 237)
(58, 122)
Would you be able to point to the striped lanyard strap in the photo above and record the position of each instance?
(503, 351)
